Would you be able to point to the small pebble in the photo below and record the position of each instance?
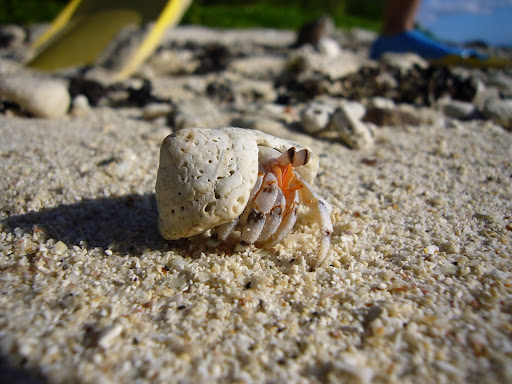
(60, 247)
(354, 109)
(431, 249)
(108, 335)
(329, 47)
(499, 111)
(197, 112)
(341, 65)
(353, 132)
(315, 117)
(264, 67)
(80, 105)
(381, 102)
(404, 62)
(458, 109)
(155, 110)
(12, 35)
(41, 97)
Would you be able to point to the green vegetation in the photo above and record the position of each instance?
(267, 15)
(29, 11)
(285, 14)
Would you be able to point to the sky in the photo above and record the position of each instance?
(466, 20)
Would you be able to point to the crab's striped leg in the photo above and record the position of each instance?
(273, 219)
(287, 223)
(258, 209)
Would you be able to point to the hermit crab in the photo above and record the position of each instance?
(237, 186)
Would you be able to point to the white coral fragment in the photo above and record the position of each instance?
(204, 180)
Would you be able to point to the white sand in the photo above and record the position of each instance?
(419, 289)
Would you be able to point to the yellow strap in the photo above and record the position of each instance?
(84, 39)
(170, 16)
(83, 29)
(60, 21)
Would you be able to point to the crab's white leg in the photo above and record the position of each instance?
(286, 224)
(322, 213)
(264, 200)
(223, 231)
(261, 205)
(273, 219)
(253, 227)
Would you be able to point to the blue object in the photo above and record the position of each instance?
(416, 42)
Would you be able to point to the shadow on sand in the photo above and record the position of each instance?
(10, 374)
(128, 222)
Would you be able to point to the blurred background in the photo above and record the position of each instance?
(286, 14)
(486, 21)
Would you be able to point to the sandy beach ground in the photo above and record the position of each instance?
(418, 288)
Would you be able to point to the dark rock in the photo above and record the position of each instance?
(220, 91)
(11, 36)
(142, 96)
(93, 90)
(6, 105)
(313, 32)
(213, 58)
(420, 86)
(305, 88)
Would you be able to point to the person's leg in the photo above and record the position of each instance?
(399, 16)
(398, 34)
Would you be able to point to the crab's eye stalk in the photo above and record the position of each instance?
(301, 158)
(293, 157)
(291, 154)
